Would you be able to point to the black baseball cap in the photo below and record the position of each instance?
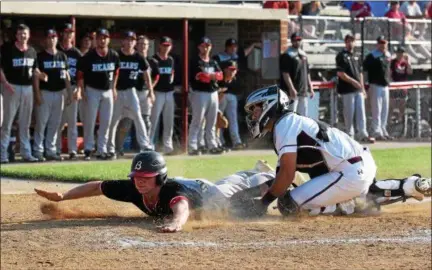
(230, 42)
(349, 36)
(50, 32)
(102, 32)
(166, 41)
(381, 40)
(67, 27)
(129, 34)
(205, 40)
(296, 36)
(231, 64)
(400, 49)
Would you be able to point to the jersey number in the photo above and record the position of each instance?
(133, 75)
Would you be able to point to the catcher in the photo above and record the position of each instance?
(340, 168)
(155, 194)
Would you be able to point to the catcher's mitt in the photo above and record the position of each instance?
(221, 121)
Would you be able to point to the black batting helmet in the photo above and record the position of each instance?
(149, 164)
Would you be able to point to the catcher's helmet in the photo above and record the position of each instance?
(148, 164)
(272, 100)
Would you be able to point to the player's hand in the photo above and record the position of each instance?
(114, 94)
(293, 93)
(43, 77)
(9, 87)
(364, 94)
(358, 85)
(76, 95)
(52, 196)
(38, 100)
(170, 227)
(151, 96)
(312, 93)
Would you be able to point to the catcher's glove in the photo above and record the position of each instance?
(221, 121)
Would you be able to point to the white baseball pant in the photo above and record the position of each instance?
(70, 115)
(102, 101)
(228, 105)
(146, 107)
(21, 99)
(344, 183)
(164, 104)
(48, 116)
(204, 106)
(354, 103)
(127, 105)
(300, 105)
(379, 98)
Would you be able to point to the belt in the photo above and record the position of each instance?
(354, 160)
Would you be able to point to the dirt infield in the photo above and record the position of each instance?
(98, 233)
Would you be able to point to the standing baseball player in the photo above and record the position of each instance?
(340, 168)
(18, 67)
(295, 78)
(70, 112)
(50, 97)
(204, 77)
(156, 195)
(164, 104)
(98, 71)
(127, 103)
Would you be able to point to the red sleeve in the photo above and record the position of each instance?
(355, 7)
(177, 199)
(269, 4)
(219, 76)
(80, 75)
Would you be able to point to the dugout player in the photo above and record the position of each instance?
(377, 66)
(295, 78)
(351, 87)
(127, 103)
(163, 68)
(50, 97)
(205, 74)
(18, 67)
(155, 194)
(340, 168)
(98, 70)
(70, 112)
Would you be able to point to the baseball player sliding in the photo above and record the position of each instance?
(127, 103)
(340, 168)
(155, 194)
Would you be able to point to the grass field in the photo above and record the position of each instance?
(391, 163)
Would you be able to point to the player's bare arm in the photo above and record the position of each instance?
(37, 91)
(114, 88)
(311, 91)
(149, 84)
(343, 76)
(285, 175)
(83, 191)
(80, 85)
(180, 217)
(288, 81)
(5, 82)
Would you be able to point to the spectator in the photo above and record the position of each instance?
(314, 9)
(295, 78)
(295, 8)
(351, 87)
(400, 70)
(86, 42)
(428, 12)
(276, 5)
(50, 97)
(360, 9)
(164, 66)
(234, 53)
(397, 26)
(19, 68)
(205, 74)
(412, 10)
(377, 66)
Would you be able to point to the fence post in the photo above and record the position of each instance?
(389, 47)
(403, 32)
(300, 18)
(418, 112)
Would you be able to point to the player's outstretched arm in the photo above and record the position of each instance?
(180, 216)
(86, 190)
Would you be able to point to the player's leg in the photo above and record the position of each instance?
(64, 120)
(134, 111)
(10, 108)
(24, 121)
(360, 114)
(293, 106)
(302, 108)
(42, 116)
(72, 130)
(384, 110)
(199, 108)
(210, 117)
(119, 107)
(168, 122)
(123, 128)
(231, 113)
(348, 101)
(146, 107)
(105, 116)
(376, 107)
(156, 111)
(222, 108)
(54, 120)
(91, 106)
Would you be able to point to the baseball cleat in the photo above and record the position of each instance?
(263, 166)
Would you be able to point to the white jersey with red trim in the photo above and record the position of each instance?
(319, 147)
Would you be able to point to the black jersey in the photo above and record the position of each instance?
(140, 83)
(233, 86)
(124, 190)
(99, 71)
(295, 63)
(18, 66)
(200, 66)
(130, 67)
(56, 67)
(73, 55)
(164, 70)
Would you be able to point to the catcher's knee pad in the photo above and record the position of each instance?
(287, 205)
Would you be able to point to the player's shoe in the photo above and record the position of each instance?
(263, 166)
(417, 187)
(54, 157)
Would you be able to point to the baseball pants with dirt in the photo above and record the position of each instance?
(48, 116)
(20, 100)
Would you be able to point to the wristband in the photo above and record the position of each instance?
(268, 198)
